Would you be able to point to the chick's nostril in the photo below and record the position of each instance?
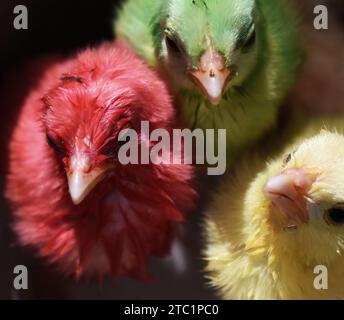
(280, 185)
(303, 179)
(288, 192)
(81, 161)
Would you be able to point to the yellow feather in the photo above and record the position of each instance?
(248, 254)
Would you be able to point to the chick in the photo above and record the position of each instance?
(230, 62)
(272, 224)
(73, 199)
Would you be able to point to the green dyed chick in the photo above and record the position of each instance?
(230, 62)
(273, 226)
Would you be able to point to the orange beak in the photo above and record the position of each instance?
(212, 75)
(288, 192)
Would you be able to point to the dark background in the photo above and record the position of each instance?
(62, 26)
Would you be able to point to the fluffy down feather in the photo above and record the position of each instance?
(67, 132)
(231, 62)
(272, 223)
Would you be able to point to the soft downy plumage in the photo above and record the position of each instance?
(230, 62)
(272, 223)
(72, 200)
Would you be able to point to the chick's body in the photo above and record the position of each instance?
(230, 62)
(272, 224)
(73, 200)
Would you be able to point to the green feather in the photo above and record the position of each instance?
(251, 101)
(135, 24)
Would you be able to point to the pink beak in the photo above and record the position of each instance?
(211, 75)
(288, 193)
(82, 180)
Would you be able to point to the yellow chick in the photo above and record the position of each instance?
(276, 230)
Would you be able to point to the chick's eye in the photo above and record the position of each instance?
(119, 128)
(122, 142)
(124, 137)
(250, 41)
(335, 215)
(56, 145)
(171, 43)
(287, 158)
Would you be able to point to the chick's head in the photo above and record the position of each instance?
(87, 117)
(306, 198)
(209, 44)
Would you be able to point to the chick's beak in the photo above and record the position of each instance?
(81, 178)
(212, 75)
(288, 192)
